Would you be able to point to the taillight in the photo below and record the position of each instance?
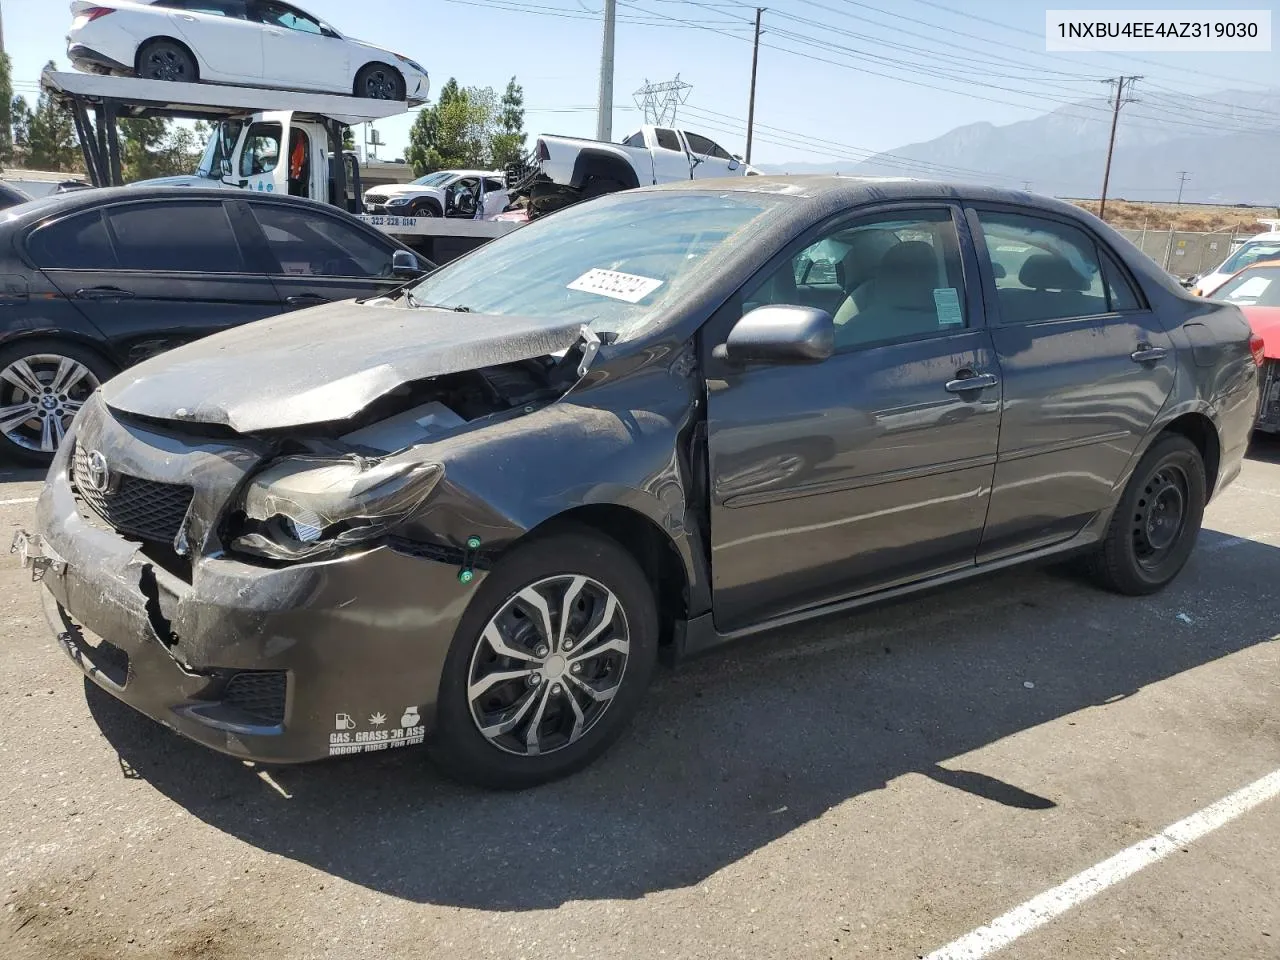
(93, 13)
(543, 152)
(1258, 347)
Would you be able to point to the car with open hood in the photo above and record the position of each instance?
(474, 513)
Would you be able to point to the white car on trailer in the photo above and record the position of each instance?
(258, 43)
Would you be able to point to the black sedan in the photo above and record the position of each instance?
(94, 281)
(474, 515)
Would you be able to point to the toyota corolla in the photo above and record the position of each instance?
(475, 514)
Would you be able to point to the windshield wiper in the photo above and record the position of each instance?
(415, 302)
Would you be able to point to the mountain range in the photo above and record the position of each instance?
(1229, 143)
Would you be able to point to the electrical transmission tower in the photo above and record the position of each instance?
(661, 101)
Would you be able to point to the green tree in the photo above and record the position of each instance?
(458, 131)
(21, 118)
(155, 147)
(508, 142)
(51, 138)
(6, 109)
(348, 139)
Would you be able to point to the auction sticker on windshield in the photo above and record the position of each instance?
(618, 286)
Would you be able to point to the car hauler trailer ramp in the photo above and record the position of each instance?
(111, 98)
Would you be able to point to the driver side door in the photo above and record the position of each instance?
(317, 258)
(715, 160)
(296, 52)
(869, 469)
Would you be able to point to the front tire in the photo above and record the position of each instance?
(549, 662)
(1155, 526)
(378, 81)
(425, 208)
(166, 60)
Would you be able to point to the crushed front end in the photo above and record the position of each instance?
(265, 659)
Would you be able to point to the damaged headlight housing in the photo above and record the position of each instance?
(306, 507)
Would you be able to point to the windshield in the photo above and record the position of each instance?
(614, 263)
(439, 178)
(1259, 287)
(222, 146)
(1251, 252)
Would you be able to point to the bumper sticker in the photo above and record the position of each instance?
(347, 739)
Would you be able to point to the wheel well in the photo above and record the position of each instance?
(355, 86)
(647, 544)
(137, 60)
(1200, 430)
(428, 202)
(37, 338)
(591, 164)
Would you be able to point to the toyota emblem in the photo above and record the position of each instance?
(97, 473)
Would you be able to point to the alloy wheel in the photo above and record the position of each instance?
(166, 64)
(548, 665)
(39, 396)
(1160, 515)
(380, 86)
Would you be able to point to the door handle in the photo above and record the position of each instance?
(1146, 353)
(306, 300)
(188, 19)
(967, 381)
(103, 293)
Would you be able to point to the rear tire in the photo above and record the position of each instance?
(1155, 525)
(51, 379)
(378, 81)
(552, 709)
(166, 60)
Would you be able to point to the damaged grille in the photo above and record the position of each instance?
(147, 509)
(259, 694)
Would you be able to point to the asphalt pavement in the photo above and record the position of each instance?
(877, 785)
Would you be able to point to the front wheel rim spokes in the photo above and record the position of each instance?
(548, 664)
(39, 396)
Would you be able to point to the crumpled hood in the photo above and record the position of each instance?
(323, 364)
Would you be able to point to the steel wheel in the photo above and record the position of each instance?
(1160, 515)
(548, 665)
(39, 396)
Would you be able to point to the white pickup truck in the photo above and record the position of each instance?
(564, 170)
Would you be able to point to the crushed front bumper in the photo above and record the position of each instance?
(276, 665)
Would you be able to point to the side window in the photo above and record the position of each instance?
(299, 163)
(76, 243)
(1120, 292)
(635, 140)
(214, 8)
(1044, 270)
(261, 149)
(668, 140)
(192, 236)
(703, 147)
(280, 15)
(491, 185)
(889, 278)
(309, 244)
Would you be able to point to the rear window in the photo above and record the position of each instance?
(76, 243)
(1252, 252)
(1259, 287)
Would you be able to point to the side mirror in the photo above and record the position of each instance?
(405, 265)
(733, 163)
(781, 334)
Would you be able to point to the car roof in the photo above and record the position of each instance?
(852, 191)
(88, 199)
(1269, 235)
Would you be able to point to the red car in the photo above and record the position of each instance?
(1256, 291)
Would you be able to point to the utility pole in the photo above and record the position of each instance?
(751, 104)
(1183, 177)
(1111, 143)
(604, 106)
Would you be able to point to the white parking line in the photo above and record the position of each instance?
(9, 503)
(1039, 910)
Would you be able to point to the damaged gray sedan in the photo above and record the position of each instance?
(476, 513)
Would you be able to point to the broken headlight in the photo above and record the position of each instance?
(301, 508)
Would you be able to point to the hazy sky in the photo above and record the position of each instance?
(837, 78)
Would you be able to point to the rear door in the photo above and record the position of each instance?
(873, 467)
(318, 257)
(221, 36)
(154, 274)
(1086, 365)
(296, 50)
(670, 163)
